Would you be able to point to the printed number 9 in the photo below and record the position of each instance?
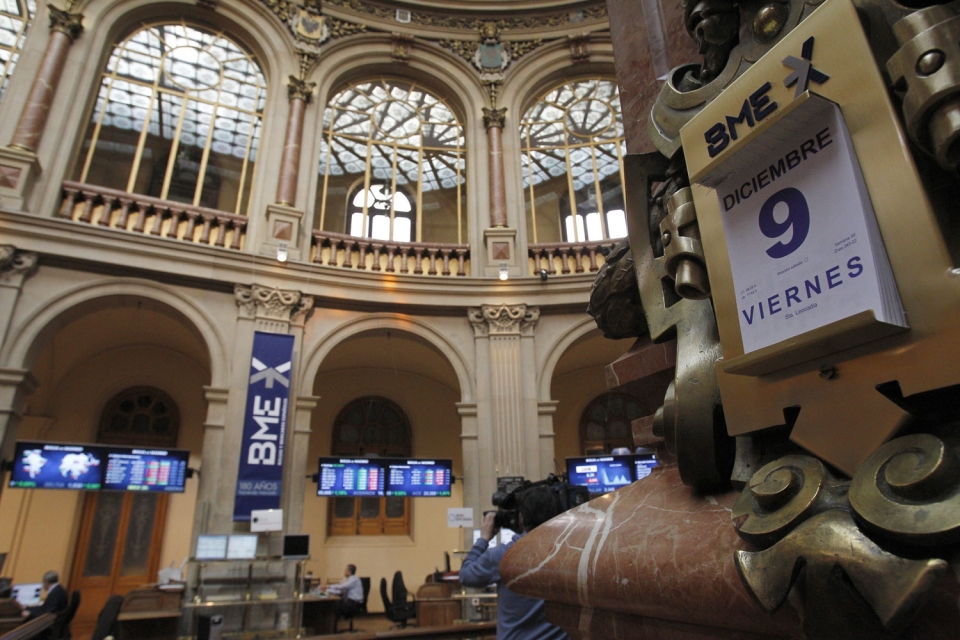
(798, 217)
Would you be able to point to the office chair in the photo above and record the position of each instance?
(349, 615)
(400, 610)
(61, 627)
(107, 620)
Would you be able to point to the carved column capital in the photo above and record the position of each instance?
(494, 117)
(300, 89)
(504, 319)
(66, 23)
(273, 308)
(15, 263)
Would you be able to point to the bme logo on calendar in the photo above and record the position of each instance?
(805, 249)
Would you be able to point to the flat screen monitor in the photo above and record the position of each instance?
(48, 465)
(159, 470)
(211, 547)
(351, 477)
(242, 547)
(296, 546)
(643, 464)
(28, 595)
(601, 474)
(419, 478)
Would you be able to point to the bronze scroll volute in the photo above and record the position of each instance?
(782, 495)
(909, 490)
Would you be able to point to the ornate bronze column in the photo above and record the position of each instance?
(493, 122)
(65, 28)
(299, 92)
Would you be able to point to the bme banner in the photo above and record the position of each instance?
(260, 478)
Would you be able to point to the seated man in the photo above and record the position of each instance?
(56, 600)
(518, 617)
(350, 591)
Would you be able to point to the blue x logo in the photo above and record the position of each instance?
(803, 70)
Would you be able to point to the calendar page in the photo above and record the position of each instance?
(802, 238)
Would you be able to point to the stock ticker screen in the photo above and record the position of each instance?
(46, 465)
(419, 478)
(351, 477)
(159, 470)
(602, 474)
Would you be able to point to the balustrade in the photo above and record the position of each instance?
(349, 252)
(551, 255)
(102, 207)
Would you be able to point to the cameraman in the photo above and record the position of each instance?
(518, 617)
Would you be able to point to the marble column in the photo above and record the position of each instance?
(508, 436)
(493, 120)
(299, 92)
(65, 28)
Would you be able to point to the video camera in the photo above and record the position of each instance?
(508, 502)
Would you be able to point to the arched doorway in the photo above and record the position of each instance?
(118, 546)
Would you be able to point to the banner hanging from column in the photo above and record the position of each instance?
(260, 477)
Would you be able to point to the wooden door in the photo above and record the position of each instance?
(118, 549)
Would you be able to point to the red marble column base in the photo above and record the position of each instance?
(18, 172)
(584, 623)
(501, 243)
(283, 225)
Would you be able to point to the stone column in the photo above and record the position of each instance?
(284, 218)
(493, 120)
(295, 471)
(65, 28)
(204, 521)
(504, 361)
(15, 384)
(471, 465)
(299, 92)
(546, 448)
(15, 267)
(18, 161)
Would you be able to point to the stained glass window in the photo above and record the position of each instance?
(402, 147)
(572, 147)
(15, 19)
(178, 116)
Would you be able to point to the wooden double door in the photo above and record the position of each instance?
(118, 549)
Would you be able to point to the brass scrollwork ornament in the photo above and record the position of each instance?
(909, 491)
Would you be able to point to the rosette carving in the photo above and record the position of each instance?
(909, 490)
(782, 495)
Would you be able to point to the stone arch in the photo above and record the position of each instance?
(28, 338)
(251, 24)
(314, 359)
(554, 353)
(450, 78)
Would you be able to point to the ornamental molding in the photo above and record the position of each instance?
(65, 22)
(439, 19)
(299, 89)
(503, 320)
(16, 265)
(272, 304)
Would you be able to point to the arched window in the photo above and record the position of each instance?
(371, 426)
(392, 165)
(15, 19)
(178, 117)
(572, 143)
(605, 423)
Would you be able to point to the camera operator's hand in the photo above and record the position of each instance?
(488, 529)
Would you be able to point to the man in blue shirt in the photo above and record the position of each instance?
(518, 617)
(350, 591)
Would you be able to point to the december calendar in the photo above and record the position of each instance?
(805, 250)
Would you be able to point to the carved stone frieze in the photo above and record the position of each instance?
(65, 22)
(453, 21)
(342, 29)
(272, 304)
(15, 263)
(504, 319)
